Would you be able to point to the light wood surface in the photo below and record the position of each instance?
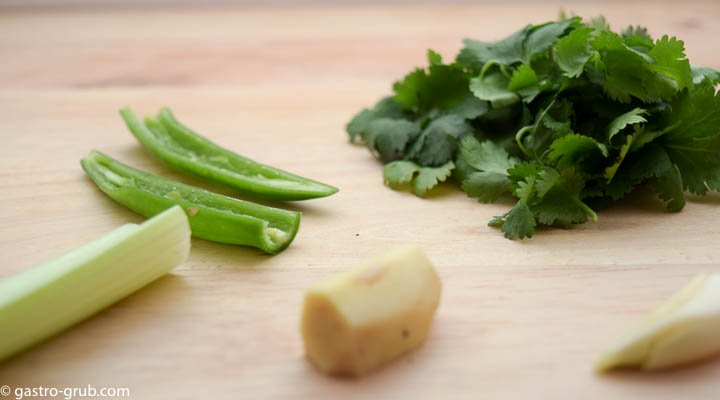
(517, 320)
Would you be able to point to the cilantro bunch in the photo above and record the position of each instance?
(559, 115)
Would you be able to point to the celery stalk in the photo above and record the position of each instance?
(57, 294)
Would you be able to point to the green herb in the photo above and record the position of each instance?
(557, 115)
(212, 216)
(181, 148)
(42, 301)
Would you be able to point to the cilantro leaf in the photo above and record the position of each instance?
(438, 142)
(669, 188)
(470, 107)
(572, 52)
(399, 173)
(643, 136)
(522, 77)
(385, 108)
(518, 223)
(486, 186)
(490, 163)
(577, 150)
(542, 37)
(634, 116)
(558, 128)
(493, 88)
(701, 73)
(638, 38)
(520, 175)
(434, 58)
(694, 144)
(389, 137)
(428, 178)
(599, 23)
(525, 82)
(412, 91)
(629, 73)
(486, 155)
(559, 198)
(441, 86)
(637, 31)
(508, 51)
(652, 161)
(653, 165)
(670, 60)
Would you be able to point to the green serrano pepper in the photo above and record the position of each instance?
(212, 216)
(181, 148)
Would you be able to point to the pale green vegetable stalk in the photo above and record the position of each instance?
(57, 294)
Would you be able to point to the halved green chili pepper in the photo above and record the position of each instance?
(212, 216)
(181, 148)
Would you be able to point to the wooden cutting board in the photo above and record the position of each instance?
(517, 319)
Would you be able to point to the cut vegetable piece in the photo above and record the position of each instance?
(358, 321)
(53, 296)
(683, 329)
(212, 216)
(185, 150)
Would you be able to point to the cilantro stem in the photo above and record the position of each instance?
(539, 121)
(520, 135)
(522, 132)
(589, 211)
(486, 67)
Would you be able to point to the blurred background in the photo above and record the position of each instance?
(85, 43)
(128, 3)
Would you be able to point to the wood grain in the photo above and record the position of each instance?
(517, 319)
